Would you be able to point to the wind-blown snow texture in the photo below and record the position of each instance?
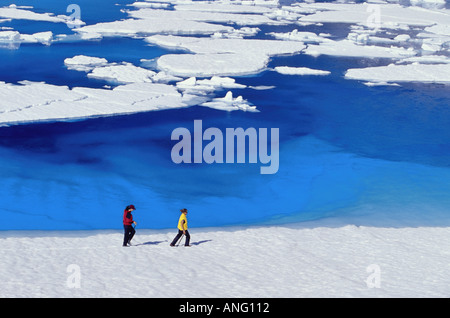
(328, 261)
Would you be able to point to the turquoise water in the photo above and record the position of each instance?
(370, 155)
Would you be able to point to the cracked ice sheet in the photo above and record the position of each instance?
(43, 102)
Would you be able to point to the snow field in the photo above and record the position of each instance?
(306, 260)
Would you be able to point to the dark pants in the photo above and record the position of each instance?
(180, 232)
(128, 234)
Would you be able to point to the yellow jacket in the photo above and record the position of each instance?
(182, 226)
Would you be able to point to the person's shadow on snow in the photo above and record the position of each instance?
(159, 242)
(200, 242)
(151, 243)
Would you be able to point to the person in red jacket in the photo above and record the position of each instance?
(127, 225)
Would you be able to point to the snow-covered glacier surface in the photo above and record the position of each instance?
(358, 91)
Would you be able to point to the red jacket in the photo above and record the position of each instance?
(127, 217)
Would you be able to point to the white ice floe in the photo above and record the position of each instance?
(9, 36)
(40, 37)
(15, 13)
(429, 4)
(435, 38)
(228, 103)
(350, 48)
(117, 73)
(202, 16)
(154, 22)
(242, 46)
(287, 70)
(373, 18)
(425, 73)
(205, 65)
(426, 59)
(163, 77)
(237, 34)
(193, 90)
(122, 73)
(223, 7)
(14, 38)
(84, 63)
(43, 102)
(391, 15)
(221, 57)
(187, 18)
(194, 86)
(295, 35)
(154, 5)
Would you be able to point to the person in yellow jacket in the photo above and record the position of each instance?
(182, 229)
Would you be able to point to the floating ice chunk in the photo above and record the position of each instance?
(163, 77)
(205, 65)
(154, 5)
(402, 38)
(122, 73)
(440, 29)
(425, 73)
(193, 99)
(436, 37)
(222, 7)
(202, 16)
(299, 71)
(243, 46)
(283, 15)
(261, 87)
(372, 84)
(152, 25)
(426, 59)
(13, 12)
(229, 103)
(206, 86)
(99, 68)
(429, 4)
(221, 57)
(9, 36)
(350, 48)
(393, 15)
(295, 35)
(44, 37)
(84, 63)
(190, 86)
(237, 34)
(223, 82)
(14, 37)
